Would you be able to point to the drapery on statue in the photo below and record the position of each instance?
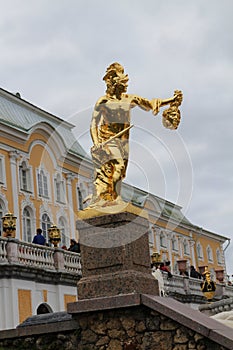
(109, 130)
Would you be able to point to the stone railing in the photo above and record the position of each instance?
(190, 288)
(3, 252)
(34, 255)
(217, 307)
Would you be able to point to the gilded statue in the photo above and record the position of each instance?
(110, 129)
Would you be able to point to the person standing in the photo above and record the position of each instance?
(194, 273)
(74, 246)
(39, 238)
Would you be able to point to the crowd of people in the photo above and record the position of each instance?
(165, 267)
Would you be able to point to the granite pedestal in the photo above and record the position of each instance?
(115, 256)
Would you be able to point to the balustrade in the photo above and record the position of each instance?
(34, 255)
(3, 252)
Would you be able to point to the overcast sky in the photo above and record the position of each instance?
(55, 54)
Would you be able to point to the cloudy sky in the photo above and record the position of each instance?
(55, 54)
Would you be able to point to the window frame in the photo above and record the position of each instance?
(209, 253)
(43, 182)
(199, 251)
(27, 223)
(59, 188)
(25, 177)
(45, 225)
(2, 170)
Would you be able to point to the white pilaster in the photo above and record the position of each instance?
(69, 178)
(14, 189)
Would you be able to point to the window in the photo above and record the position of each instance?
(174, 243)
(25, 177)
(42, 184)
(163, 240)
(199, 251)
(186, 247)
(45, 225)
(1, 215)
(219, 256)
(27, 225)
(175, 267)
(59, 187)
(2, 170)
(63, 229)
(84, 190)
(209, 253)
(80, 199)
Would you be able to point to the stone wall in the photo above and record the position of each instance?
(137, 327)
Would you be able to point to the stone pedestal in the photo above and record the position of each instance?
(115, 256)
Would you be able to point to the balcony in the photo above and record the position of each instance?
(23, 259)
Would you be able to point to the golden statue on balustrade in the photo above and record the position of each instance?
(110, 129)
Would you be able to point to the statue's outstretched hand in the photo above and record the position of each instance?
(178, 97)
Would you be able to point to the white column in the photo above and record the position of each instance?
(69, 178)
(192, 245)
(14, 189)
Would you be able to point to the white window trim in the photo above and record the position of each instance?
(219, 256)
(211, 259)
(163, 246)
(29, 180)
(201, 258)
(175, 239)
(2, 170)
(67, 238)
(47, 174)
(32, 223)
(188, 247)
(63, 200)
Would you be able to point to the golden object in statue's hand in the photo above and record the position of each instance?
(171, 116)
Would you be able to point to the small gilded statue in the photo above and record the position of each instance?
(110, 128)
(208, 287)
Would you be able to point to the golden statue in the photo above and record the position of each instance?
(110, 128)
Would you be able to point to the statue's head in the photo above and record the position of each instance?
(115, 79)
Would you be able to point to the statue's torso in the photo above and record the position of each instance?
(114, 117)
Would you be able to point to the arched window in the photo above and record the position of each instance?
(186, 247)
(59, 189)
(1, 215)
(175, 267)
(163, 242)
(2, 170)
(27, 225)
(199, 251)
(209, 254)
(25, 177)
(219, 256)
(42, 184)
(174, 243)
(45, 225)
(44, 308)
(63, 229)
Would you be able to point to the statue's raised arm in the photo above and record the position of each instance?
(110, 127)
